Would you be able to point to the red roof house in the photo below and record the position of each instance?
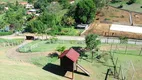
(68, 58)
(71, 54)
(68, 61)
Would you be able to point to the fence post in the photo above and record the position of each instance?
(107, 73)
(116, 48)
(111, 47)
(119, 72)
(140, 51)
(135, 41)
(126, 49)
(133, 70)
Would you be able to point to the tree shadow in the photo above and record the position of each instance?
(55, 69)
(80, 50)
(53, 55)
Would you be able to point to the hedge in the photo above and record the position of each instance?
(5, 33)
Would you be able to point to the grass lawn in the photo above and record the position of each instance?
(6, 42)
(133, 7)
(15, 70)
(97, 69)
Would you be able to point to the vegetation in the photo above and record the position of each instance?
(11, 40)
(61, 48)
(56, 17)
(87, 7)
(44, 46)
(15, 16)
(131, 5)
(92, 43)
(5, 33)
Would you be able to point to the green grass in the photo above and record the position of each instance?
(97, 69)
(43, 46)
(15, 70)
(129, 52)
(133, 7)
(14, 41)
(43, 60)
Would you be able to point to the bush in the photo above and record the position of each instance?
(123, 40)
(5, 33)
(121, 6)
(69, 31)
(53, 40)
(131, 2)
(60, 48)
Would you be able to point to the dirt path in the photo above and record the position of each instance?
(13, 54)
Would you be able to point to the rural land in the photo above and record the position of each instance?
(70, 39)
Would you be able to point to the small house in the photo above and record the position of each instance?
(68, 59)
(30, 36)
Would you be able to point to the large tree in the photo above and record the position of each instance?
(15, 16)
(92, 42)
(85, 11)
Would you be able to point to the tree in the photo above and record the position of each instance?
(92, 42)
(2, 24)
(85, 11)
(64, 3)
(99, 4)
(69, 21)
(41, 4)
(31, 1)
(14, 16)
(48, 19)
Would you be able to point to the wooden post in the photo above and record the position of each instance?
(73, 72)
(133, 70)
(111, 47)
(76, 66)
(140, 51)
(126, 49)
(107, 73)
(116, 48)
(119, 72)
(136, 41)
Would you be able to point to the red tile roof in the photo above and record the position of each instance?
(71, 54)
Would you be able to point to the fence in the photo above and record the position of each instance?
(132, 47)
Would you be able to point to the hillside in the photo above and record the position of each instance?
(16, 70)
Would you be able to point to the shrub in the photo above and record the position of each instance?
(123, 39)
(121, 6)
(60, 48)
(69, 31)
(131, 2)
(53, 40)
(5, 33)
